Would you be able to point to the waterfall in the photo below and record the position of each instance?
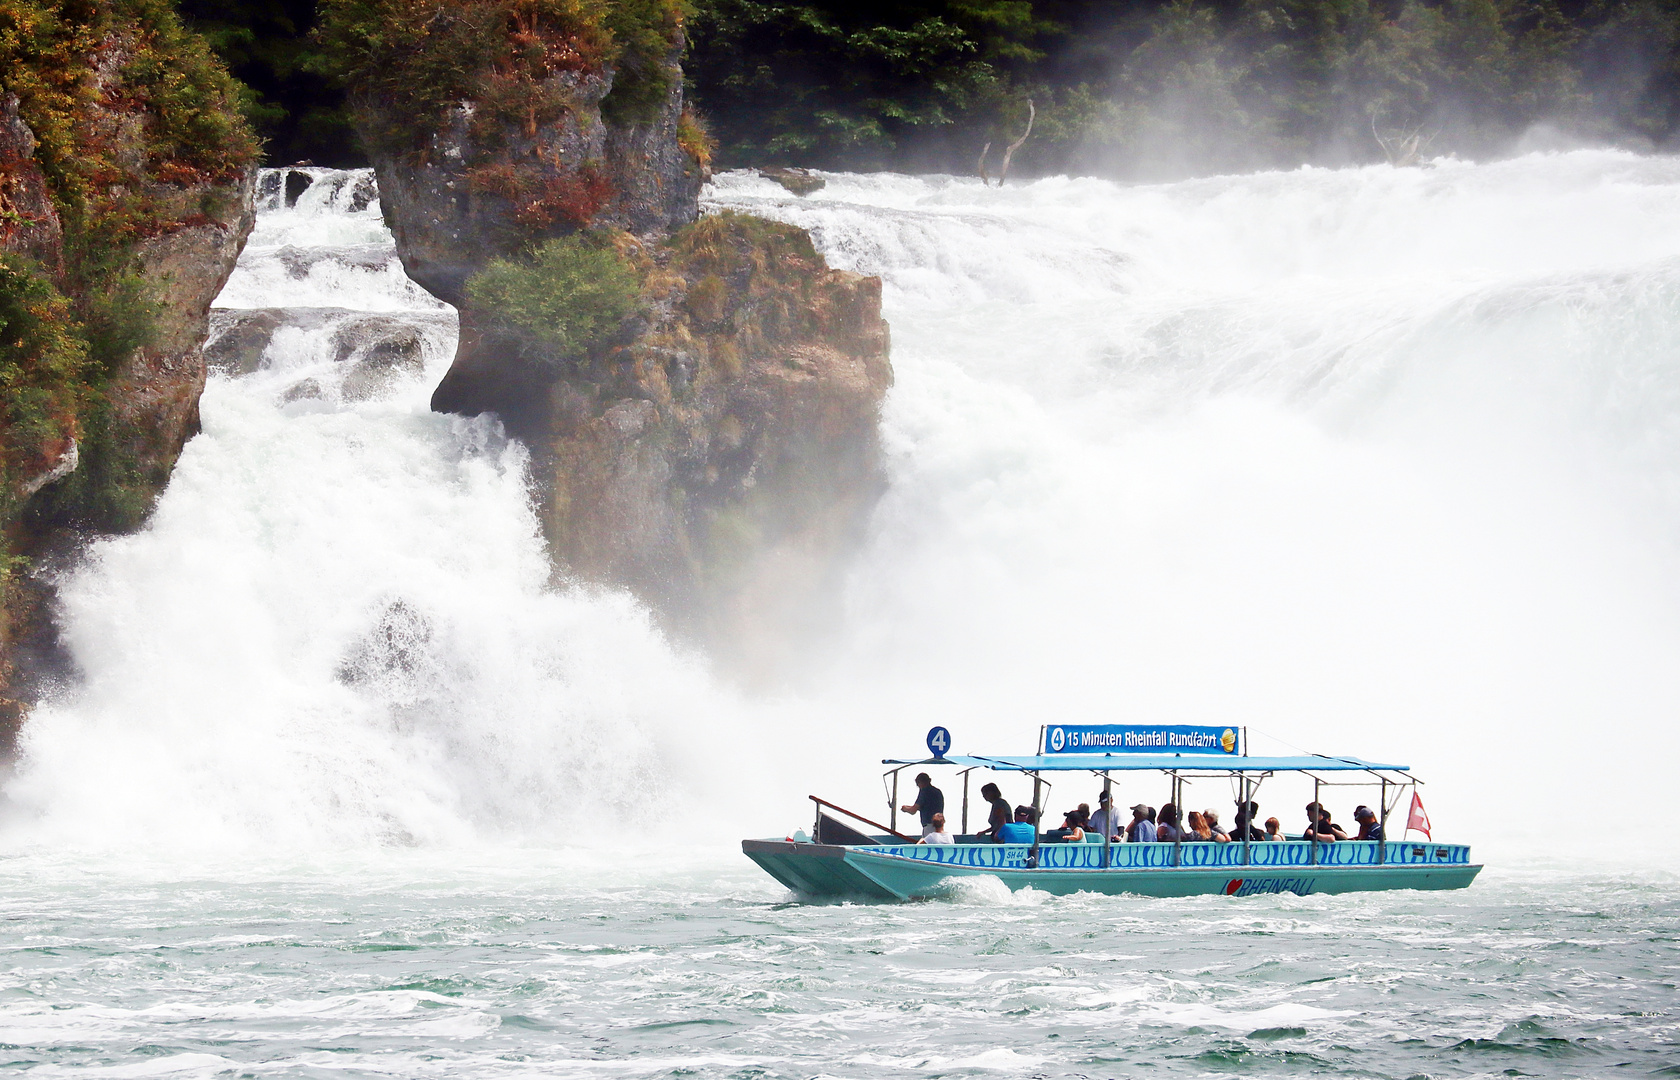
(1372, 461)
(339, 627)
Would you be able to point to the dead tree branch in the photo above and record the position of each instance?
(1003, 172)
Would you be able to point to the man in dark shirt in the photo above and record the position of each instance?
(1245, 821)
(929, 801)
(1319, 826)
(1369, 827)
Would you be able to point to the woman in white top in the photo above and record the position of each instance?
(937, 834)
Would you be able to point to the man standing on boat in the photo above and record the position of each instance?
(929, 801)
(1105, 822)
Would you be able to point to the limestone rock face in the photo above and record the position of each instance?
(154, 395)
(722, 460)
(718, 455)
(458, 205)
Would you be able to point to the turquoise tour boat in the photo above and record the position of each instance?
(840, 860)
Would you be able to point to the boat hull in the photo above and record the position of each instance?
(883, 872)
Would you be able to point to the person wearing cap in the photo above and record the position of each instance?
(1142, 828)
(1369, 827)
(1023, 830)
(1001, 813)
(938, 834)
(1105, 822)
(1220, 836)
(929, 801)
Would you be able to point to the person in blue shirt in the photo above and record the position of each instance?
(1142, 828)
(929, 801)
(1021, 830)
(1369, 827)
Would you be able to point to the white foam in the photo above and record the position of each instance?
(1376, 461)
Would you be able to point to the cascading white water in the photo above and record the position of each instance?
(338, 626)
(1375, 461)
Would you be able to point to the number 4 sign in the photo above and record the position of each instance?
(938, 741)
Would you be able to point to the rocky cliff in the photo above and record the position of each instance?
(700, 397)
(125, 199)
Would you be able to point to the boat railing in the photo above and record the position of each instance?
(855, 817)
(1191, 856)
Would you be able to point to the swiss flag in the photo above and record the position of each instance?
(1417, 819)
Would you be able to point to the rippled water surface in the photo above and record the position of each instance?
(531, 965)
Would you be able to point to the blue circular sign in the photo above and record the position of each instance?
(939, 742)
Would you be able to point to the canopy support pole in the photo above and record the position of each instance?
(1178, 817)
(1382, 848)
(965, 801)
(1108, 822)
(1032, 856)
(1317, 813)
(1246, 815)
(892, 822)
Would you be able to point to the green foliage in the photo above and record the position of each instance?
(42, 366)
(852, 83)
(131, 112)
(265, 44)
(1169, 86)
(572, 293)
(413, 59)
(642, 32)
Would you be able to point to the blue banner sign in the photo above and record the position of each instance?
(1140, 739)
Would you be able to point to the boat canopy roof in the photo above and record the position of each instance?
(1220, 763)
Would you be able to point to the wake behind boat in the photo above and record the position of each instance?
(841, 861)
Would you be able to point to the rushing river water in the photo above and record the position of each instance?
(1377, 461)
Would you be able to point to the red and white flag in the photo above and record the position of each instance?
(1417, 819)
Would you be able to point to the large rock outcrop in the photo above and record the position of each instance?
(717, 454)
(126, 195)
(481, 189)
(721, 458)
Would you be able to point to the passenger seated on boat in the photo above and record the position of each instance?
(1001, 813)
(1245, 823)
(929, 801)
(1167, 828)
(1106, 821)
(939, 834)
(1071, 832)
(1274, 829)
(1320, 827)
(1220, 836)
(1369, 827)
(1142, 828)
(1197, 830)
(1020, 831)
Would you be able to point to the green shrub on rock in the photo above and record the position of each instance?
(571, 293)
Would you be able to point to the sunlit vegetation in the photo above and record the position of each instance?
(570, 294)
